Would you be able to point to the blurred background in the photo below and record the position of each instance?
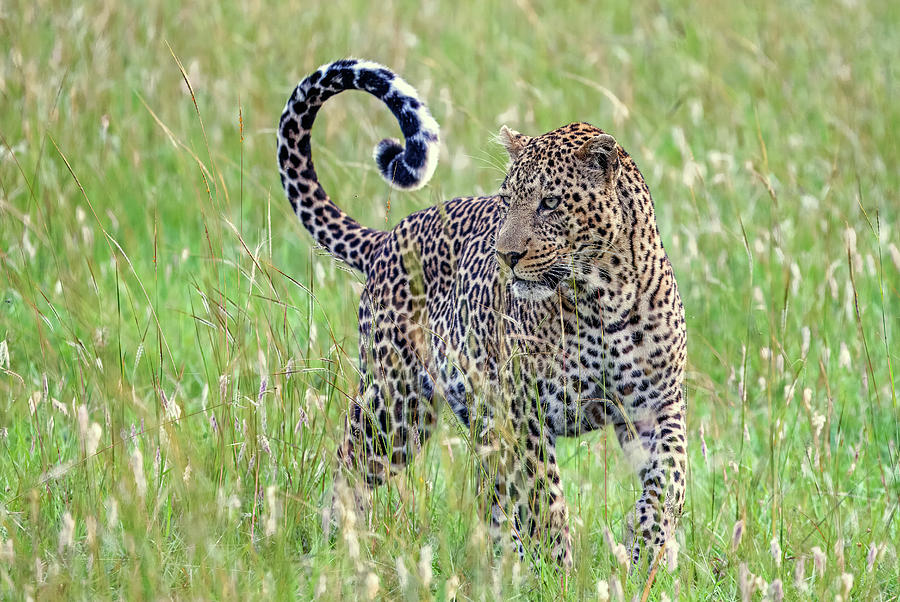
(175, 356)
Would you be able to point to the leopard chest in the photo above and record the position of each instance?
(590, 371)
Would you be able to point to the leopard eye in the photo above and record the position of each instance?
(549, 203)
(504, 199)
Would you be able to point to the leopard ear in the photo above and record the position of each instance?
(513, 141)
(600, 153)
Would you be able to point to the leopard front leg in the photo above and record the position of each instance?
(546, 505)
(529, 506)
(656, 448)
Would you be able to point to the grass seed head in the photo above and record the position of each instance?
(112, 515)
(89, 432)
(819, 560)
(321, 586)
(137, 468)
(839, 552)
(736, 534)
(846, 584)
(66, 532)
(818, 421)
(672, 548)
(602, 591)
(844, 356)
(800, 575)
(776, 591)
(402, 573)
(452, 587)
(895, 255)
(271, 523)
(871, 556)
(7, 551)
(775, 551)
(90, 524)
(352, 543)
(372, 585)
(425, 571)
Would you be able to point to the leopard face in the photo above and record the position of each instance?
(562, 209)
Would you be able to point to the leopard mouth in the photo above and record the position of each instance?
(542, 287)
(552, 279)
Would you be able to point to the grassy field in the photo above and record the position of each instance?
(175, 357)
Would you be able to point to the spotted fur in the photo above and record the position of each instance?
(547, 310)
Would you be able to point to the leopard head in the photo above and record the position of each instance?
(562, 208)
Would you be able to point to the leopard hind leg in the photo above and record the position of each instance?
(387, 424)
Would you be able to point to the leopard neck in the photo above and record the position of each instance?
(620, 286)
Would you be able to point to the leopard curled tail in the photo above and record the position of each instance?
(405, 167)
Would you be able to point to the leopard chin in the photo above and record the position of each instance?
(529, 290)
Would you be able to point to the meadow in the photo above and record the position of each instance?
(175, 356)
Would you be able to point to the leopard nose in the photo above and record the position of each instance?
(511, 258)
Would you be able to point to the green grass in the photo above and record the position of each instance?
(151, 273)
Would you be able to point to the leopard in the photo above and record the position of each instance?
(546, 310)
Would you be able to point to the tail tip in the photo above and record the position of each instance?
(390, 155)
(385, 152)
